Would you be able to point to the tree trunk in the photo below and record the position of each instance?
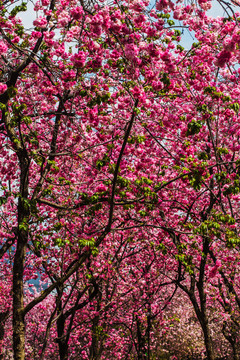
(19, 258)
(202, 317)
(62, 345)
(208, 342)
(95, 336)
(141, 342)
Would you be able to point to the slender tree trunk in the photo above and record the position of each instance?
(19, 259)
(62, 345)
(203, 320)
(94, 354)
(206, 331)
(208, 342)
(141, 342)
(202, 317)
(18, 318)
(63, 350)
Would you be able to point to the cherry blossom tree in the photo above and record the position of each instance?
(119, 177)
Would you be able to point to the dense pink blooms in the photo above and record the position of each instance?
(63, 18)
(79, 59)
(131, 51)
(162, 4)
(223, 57)
(40, 22)
(3, 47)
(120, 180)
(3, 88)
(77, 12)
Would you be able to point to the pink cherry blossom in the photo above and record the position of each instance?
(40, 22)
(3, 88)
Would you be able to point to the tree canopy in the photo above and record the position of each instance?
(119, 180)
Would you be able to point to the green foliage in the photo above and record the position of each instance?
(93, 209)
(3, 200)
(203, 155)
(19, 8)
(162, 248)
(137, 111)
(194, 127)
(136, 139)
(98, 99)
(235, 107)
(2, 107)
(222, 151)
(143, 213)
(123, 182)
(60, 242)
(23, 226)
(165, 80)
(232, 240)
(61, 179)
(164, 16)
(195, 177)
(90, 243)
(212, 91)
(180, 48)
(102, 162)
(143, 180)
(234, 188)
(217, 226)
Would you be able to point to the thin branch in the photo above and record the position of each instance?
(118, 164)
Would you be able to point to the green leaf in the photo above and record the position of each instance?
(194, 127)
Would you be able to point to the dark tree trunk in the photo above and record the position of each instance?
(141, 343)
(208, 342)
(94, 353)
(202, 317)
(62, 345)
(19, 259)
